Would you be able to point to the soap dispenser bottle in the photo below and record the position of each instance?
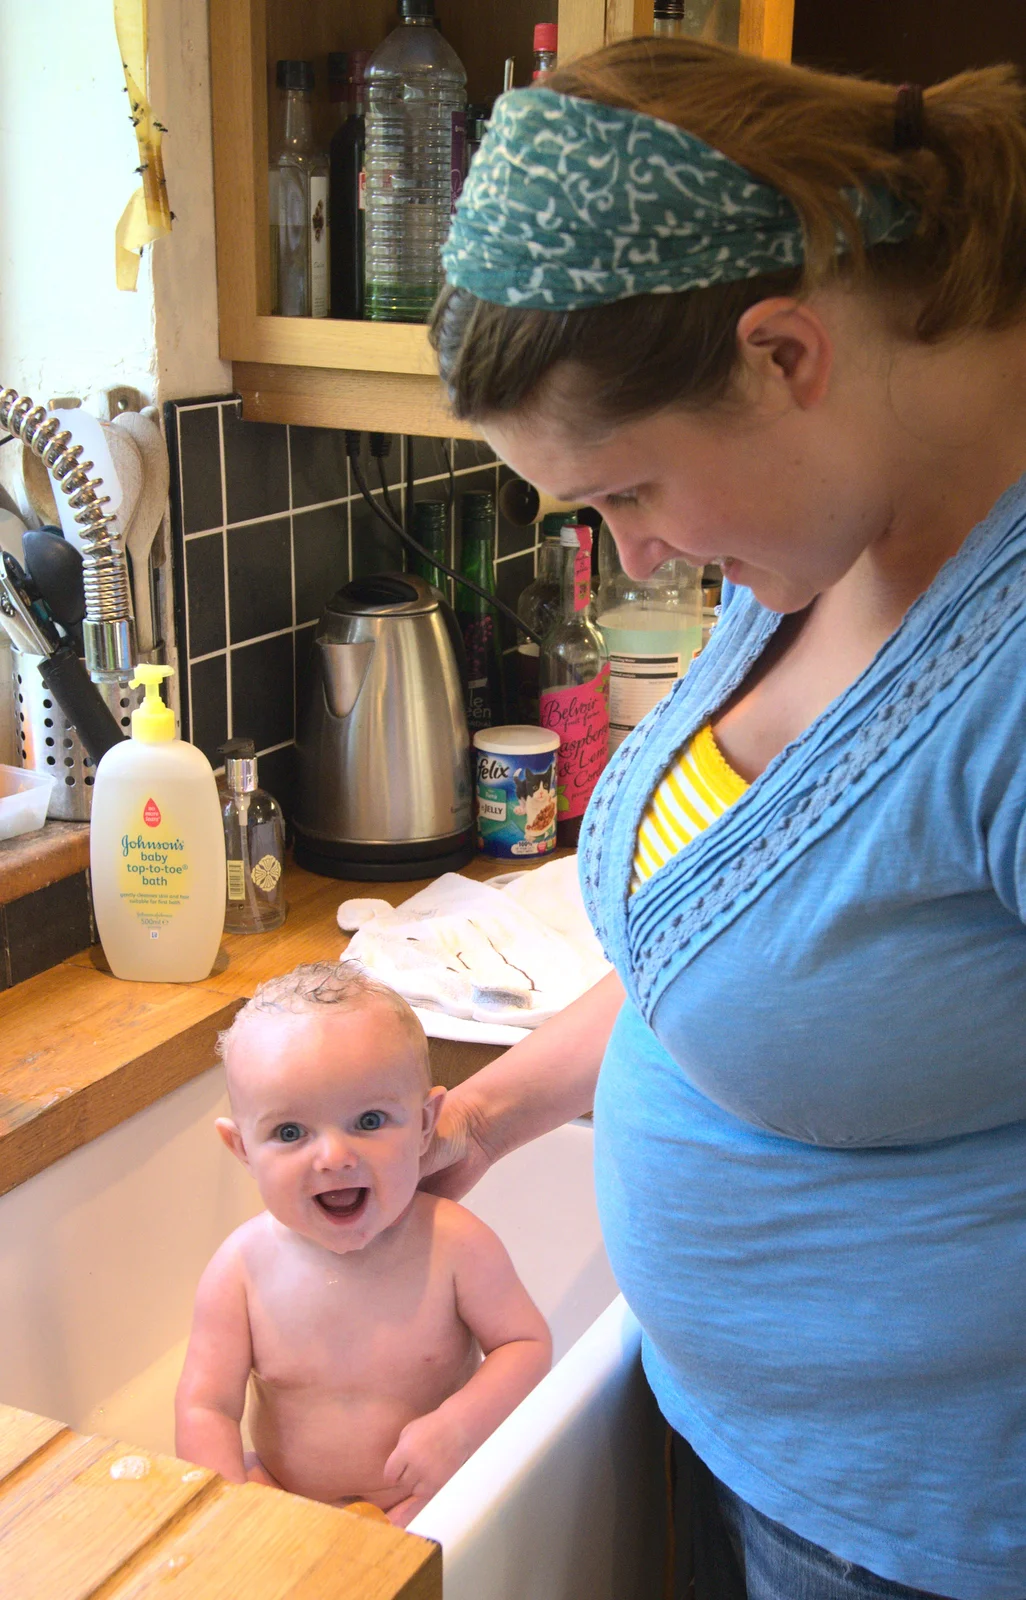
(254, 837)
(156, 850)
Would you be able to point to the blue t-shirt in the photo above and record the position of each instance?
(811, 1118)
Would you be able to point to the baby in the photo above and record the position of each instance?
(357, 1306)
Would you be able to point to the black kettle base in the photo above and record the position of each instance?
(383, 863)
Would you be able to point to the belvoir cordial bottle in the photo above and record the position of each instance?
(575, 687)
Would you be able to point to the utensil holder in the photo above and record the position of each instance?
(47, 742)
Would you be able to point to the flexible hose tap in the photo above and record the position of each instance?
(107, 632)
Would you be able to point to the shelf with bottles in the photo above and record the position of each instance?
(368, 374)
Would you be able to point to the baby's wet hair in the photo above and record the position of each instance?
(316, 984)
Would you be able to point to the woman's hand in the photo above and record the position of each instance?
(458, 1154)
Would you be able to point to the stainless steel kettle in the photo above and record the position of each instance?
(384, 752)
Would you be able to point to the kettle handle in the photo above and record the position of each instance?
(343, 669)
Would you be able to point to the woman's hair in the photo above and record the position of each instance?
(811, 135)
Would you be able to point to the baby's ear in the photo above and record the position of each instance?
(431, 1113)
(232, 1138)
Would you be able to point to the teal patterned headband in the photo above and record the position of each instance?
(570, 203)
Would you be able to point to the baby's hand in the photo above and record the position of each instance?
(428, 1453)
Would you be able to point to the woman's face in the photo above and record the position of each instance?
(784, 489)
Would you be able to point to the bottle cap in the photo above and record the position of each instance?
(294, 75)
(554, 522)
(568, 536)
(416, 8)
(240, 767)
(669, 8)
(430, 516)
(546, 35)
(153, 722)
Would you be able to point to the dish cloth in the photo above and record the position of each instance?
(475, 958)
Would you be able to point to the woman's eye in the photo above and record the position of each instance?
(628, 498)
(370, 1121)
(288, 1132)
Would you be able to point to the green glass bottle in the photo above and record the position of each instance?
(431, 529)
(478, 621)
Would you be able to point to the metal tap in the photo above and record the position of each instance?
(108, 631)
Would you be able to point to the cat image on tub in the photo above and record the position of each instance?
(535, 800)
(382, 1333)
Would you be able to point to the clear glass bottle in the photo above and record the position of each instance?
(254, 836)
(345, 193)
(669, 20)
(546, 43)
(652, 629)
(431, 529)
(478, 621)
(574, 699)
(299, 200)
(539, 606)
(415, 163)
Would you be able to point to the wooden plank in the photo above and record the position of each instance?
(34, 860)
(766, 28)
(627, 19)
(239, 118)
(68, 1526)
(373, 401)
(115, 1050)
(400, 347)
(23, 1435)
(582, 27)
(266, 1545)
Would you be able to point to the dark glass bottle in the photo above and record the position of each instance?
(431, 529)
(575, 688)
(345, 160)
(538, 607)
(478, 621)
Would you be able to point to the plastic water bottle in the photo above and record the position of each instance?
(415, 161)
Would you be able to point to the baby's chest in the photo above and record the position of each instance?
(340, 1334)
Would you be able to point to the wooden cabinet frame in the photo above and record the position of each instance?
(322, 372)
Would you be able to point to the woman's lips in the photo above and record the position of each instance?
(342, 1205)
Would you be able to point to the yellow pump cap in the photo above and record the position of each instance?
(153, 722)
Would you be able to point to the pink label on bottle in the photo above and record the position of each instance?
(580, 715)
(582, 568)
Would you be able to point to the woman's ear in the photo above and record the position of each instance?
(430, 1115)
(231, 1138)
(785, 345)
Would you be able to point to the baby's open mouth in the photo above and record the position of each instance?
(342, 1203)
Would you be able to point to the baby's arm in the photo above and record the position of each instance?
(212, 1390)
(517, 1347)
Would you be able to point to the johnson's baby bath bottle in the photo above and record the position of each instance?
(157, 850)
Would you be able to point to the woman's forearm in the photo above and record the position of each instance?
(548, 1078)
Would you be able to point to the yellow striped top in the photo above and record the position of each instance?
(696, 790)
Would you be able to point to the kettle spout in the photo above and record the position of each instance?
(343, 669)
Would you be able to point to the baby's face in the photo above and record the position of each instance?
(331, 1113)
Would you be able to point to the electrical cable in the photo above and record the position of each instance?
(395, 526)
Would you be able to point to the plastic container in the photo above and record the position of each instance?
(24, 797)
(156, 850)
(516, 791)
(415, 160)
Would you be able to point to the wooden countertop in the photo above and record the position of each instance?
(81, 1050)
(34, 860)
(82, 1517)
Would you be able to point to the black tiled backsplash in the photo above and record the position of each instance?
(267, 523)
(44, 928)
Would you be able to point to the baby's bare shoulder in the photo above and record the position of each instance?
(242, 1251)
(458, 1229)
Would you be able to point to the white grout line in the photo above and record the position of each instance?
(260, 638)
(227, 610)
(211, 655)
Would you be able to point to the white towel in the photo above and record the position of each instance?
(508, 956)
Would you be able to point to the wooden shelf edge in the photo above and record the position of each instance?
(323, 343)
(56, 1127)
(319, 397)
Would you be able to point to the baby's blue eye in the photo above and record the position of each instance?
(370, 1121)
(288, 1132)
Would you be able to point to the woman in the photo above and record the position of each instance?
(776, 319)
